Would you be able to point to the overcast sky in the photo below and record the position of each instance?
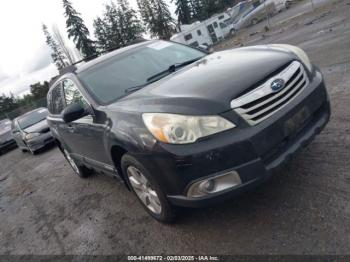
(24, 56)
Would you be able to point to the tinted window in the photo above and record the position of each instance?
(188, 37)
(32, 118)
(72, 93)
(55, 100)
(108, 80)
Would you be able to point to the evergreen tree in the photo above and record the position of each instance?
(57, 55)
(78, 31)
(156, 16)
(118, 26)
(183, 11)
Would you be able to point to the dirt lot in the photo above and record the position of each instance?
(45, 209)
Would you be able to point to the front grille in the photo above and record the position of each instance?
(263, 102)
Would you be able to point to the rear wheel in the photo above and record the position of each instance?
(81, 171)
(147, 190)
(254, 21)
(233, 31)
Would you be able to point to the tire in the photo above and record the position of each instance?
(254, 21)
(151, 189)
(81, 171)
(233, 32)
(24, 150)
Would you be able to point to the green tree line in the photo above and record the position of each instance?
(120, 24)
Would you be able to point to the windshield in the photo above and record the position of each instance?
(5, 125)
(110, 80)
(32, 118)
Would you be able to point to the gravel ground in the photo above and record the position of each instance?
(45, 209)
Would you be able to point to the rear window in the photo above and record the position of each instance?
(32, 118)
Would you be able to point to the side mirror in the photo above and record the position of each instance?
(73, 112)
(206, 48)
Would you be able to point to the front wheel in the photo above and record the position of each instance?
(81, 171)
(147, 190)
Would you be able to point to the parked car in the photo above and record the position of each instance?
(31, 130)
(254, 14)
(182, 127)
(6, 139)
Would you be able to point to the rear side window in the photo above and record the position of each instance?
(55, 100)
(72, 93)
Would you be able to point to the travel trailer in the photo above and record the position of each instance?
(207, 32)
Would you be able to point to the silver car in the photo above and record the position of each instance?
(31, 130)
(254, 14)
(6, 138)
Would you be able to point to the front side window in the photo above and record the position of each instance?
(109, 80)
(55, 100)
(72, 93)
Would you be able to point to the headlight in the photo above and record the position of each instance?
(181, 129)
(31, 135)
(298, 52)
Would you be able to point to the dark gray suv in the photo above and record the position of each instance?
(182, 127)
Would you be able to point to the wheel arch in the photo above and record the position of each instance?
(117, 152)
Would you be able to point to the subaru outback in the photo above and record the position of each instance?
(183, 127)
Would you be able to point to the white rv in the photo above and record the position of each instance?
(207, 32)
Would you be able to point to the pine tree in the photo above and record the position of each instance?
(118, 26)
(130, 26)
(57, 55)
(156, 16)
(183, 11)
(78, 31)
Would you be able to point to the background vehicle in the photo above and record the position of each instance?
(6, 139)
(185, 128)
(254, 14)
(31, 130)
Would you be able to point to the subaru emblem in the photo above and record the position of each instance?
(277, 84)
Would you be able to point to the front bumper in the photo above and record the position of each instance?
(255, 152)
(40, 141)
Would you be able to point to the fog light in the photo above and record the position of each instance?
(207, 185)
(214, 184)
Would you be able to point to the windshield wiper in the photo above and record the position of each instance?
(161, 74)
(171, 69)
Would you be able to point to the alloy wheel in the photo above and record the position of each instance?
(144, 190)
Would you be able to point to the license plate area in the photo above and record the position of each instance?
(293, 125)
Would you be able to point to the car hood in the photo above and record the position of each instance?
(208, 85)
(39, 127)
